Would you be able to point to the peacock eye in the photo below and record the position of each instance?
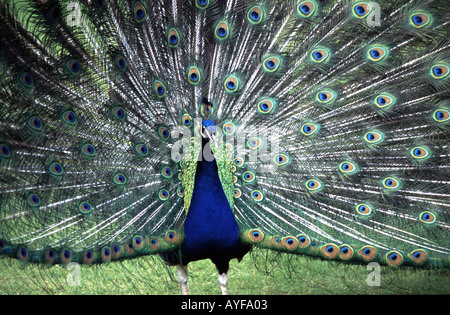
(88, 150)
(35, 123)
(391, 183)
(160, 88)
(141, 149)
(272, 63)
(194, 75)
(228, 128)
(164, 133)
(237, 193)
(319, 55)
(56, 168)
(69, 117)
(163, 194)
(377, 53)
(439, 71)
(427, 217)
(254, 143)
(373, 137)
(248, 177)
(348, 167)
(85, 207)
(73, 66)
(419, 20)
(257, 195)
(420, 153)
(313, 185)
(120, 179)
(26, 80)
(201, 4)
(361, 9)
(5, 152)
(309, 129)
(173, 38)
(33, 200)
(232, 83)
(222, 30)
(306, 8)
(140, 12)
(384, 100)
(255, 15)
(120, 62)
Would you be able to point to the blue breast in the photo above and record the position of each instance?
(210, 227)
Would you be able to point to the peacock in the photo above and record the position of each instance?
(203, 129)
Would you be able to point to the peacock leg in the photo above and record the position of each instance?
(223, 278)
(183, 278)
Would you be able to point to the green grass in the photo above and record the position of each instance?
(259, 273)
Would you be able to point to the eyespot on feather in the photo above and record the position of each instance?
(367, 253)
(290, 242)
(163, 194)
(228, 128)
(346, 252)
(361, 10)
(120, 62)
(237, 193)
(118, 113)
(193, 75)
(138, 242)
(373, 137)
(222, 30)
(420, 152)
(348, 168)
(303, 241)
(56, 168)
(120, 179)
(313, 185)
(26, 80)
(88, 150)
(257, 195)
(248, 177)
(306, 8)
(85, 207)
(166, 172)
(439, 71)
(50, 256)
(88, 257)
(160, 88)
(139, 12)
(325, 96)
(254, 143)
(232, 83)
(281, 159)
(239, 162)
(309, 129)
(69, 117)
(33, 200)
(201, 4)
(271, 63)
(394, 258)
(364, 209)
(266, 105)
(35, 123)
(5, 151)
(65, 256)
(419, 19)
(391, 183)
(255, 14)
(427, 217)
(164, 133)
(173, 38)
(418, 256)
(441, 115)
(141, 149)
(384, 100)
(319, 55)
(377, 53)
(330, 251)
(255, 236)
